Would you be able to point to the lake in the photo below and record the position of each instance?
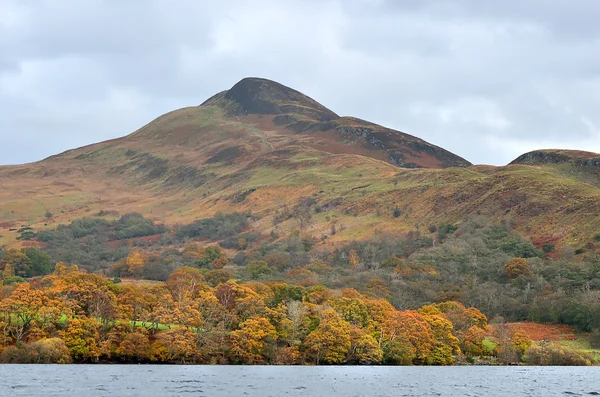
(263, 381)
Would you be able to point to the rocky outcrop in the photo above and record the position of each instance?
(577, 158)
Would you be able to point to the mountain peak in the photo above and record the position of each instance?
(253, 95)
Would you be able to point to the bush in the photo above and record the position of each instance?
(556, 354)
(218, 227)
(43, 351)
(594, 339)
(517, 267)
(258, 268)
(547, 248)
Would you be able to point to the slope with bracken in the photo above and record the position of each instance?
(261, 146)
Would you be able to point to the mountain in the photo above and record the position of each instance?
(263, 147)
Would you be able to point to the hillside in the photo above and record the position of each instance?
(262, 210)
(262, 147)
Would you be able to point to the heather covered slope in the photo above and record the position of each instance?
(262, 147)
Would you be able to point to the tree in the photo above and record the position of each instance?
(254, 342)
(257, 269)
(330, 342)
(26, 309)
(184, 283)
(416, 329)
(135, 346)
(175, 345)
(377, 288)
(133, 304)
(303, 213)
(220, 263)
(135, 262)
(82, 338)
(41, 263)
(505, 349)
(363, 347)
(398, 351)
(353, 258)
(352, 310)
(210, 255)
(19, 261)
(279, 261)
(216, 277)
(517, 267)
(472, 343)
(521, 342)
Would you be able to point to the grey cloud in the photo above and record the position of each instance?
(485, 80)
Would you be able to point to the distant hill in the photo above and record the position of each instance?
(263, 147)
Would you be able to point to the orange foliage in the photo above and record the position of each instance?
(540, 332)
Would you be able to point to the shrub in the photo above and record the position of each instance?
(556, 354)
(43, 351)
(547, 248)
(517, 267)
(594, 339)
(258, 268)
(218, 227)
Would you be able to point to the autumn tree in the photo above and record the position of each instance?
(82, 338)
(352, 310)
(220, 263)
(185, 282)
(25, 309)
(330, 342)
(353, 258)
(521, 342)
(135, 262)
(216, 277)
(134, 303)
(256, 269)
(415, 328)
(377, 288)
(472, 343)
(517, 267)
(363, 347)
(254, 342)
(175, 345)
(20, 262)
(135, 346)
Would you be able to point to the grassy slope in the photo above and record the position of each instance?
(182, 167)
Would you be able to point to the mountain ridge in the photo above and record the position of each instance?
(192, 162)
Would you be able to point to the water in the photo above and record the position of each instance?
(163, 380)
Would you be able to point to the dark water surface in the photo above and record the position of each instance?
(161, 380)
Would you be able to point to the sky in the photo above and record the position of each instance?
(486, 79)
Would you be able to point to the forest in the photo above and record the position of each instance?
(215, 291)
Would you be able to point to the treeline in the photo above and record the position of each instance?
(95, 243)
(472, 263)
(72, 316)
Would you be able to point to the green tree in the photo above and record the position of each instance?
(258, 268)
(41, 263)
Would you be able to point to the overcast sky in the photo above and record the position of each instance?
(487, 80)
